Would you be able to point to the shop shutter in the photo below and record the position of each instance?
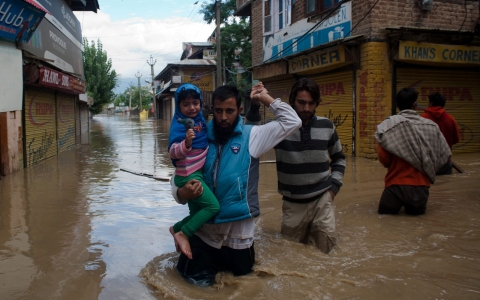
(84, 122)
(276, 89)
(336, 90)
(65, 121)
(78, 118)
(40, 125)
(461, 88)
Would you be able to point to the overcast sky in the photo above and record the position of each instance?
(132, 30)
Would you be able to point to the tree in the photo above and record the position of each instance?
(237, 48)
(125, 97)
(235, 34)
(101, 79)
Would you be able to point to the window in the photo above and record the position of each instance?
(277, 15)
(267, 16)
(319, 6)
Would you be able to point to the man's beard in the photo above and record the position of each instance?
(305, 116)
(223, 134)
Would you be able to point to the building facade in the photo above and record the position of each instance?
(197, 65)
(43, 109)
(362, 52)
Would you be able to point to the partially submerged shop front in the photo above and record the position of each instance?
(50, 109)
(333, 70)
(451, 70)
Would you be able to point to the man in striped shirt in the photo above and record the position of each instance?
(310, 169)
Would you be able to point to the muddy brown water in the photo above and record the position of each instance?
(78, 227)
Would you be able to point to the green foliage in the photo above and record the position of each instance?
(236, 33)
(124, 97)
(237, 36)
(100, 78)
(227, 8)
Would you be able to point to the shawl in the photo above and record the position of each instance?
(399, 136)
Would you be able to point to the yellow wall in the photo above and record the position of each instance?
(373, 96)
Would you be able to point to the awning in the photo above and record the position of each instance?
(166, 86)
(37, 5)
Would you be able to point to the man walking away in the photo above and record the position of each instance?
(447, 124)
(413, 149)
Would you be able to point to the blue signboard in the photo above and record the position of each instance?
(18, 20)
(299, 36)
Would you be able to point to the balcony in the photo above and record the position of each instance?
(243, 8)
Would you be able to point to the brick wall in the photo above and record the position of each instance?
(374, 85)
(257, 32)
(445, 15)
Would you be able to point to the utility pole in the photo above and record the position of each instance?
(152, 63)
(130, 101)
(217, 41)
(138, 75)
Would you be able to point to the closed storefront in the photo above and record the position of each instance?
(277, 89)
(81, 122)
(461, 88)
(83, 116)
(65, 121)
(336, 90)
(40, 125)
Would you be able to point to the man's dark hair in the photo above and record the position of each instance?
(305, 84)
(406, 97)
(188, 93)
(225, 92)
(437, 99)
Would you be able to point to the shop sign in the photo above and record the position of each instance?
(201, 78)
(55, 79)
(317, 60)
(270, 70)
(299, 36)
(62, 17)
(439, 53)
(50, 43)
(18, 20)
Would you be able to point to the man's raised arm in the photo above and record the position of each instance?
(265, 137)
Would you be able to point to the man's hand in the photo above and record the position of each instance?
(192, 189)
(260, 94)
(332, 194)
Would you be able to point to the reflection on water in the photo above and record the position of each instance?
(78, 227)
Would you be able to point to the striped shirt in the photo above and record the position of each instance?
(310, 162)
(189, 160)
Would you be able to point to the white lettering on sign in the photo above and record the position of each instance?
(65, 81)
(67, 16)
(17, 20)
(58, 40)
(51, 77)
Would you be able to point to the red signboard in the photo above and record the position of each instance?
(59, 80)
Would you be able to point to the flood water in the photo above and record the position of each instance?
(80, 226)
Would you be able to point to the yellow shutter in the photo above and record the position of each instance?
(336, 92)
(40, 125)
(461, 88)
(65, 121)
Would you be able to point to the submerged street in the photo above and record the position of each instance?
(83, 225)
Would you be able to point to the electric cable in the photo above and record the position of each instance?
(310, 30)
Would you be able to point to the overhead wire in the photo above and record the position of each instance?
(310, 30)
(320, 22)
